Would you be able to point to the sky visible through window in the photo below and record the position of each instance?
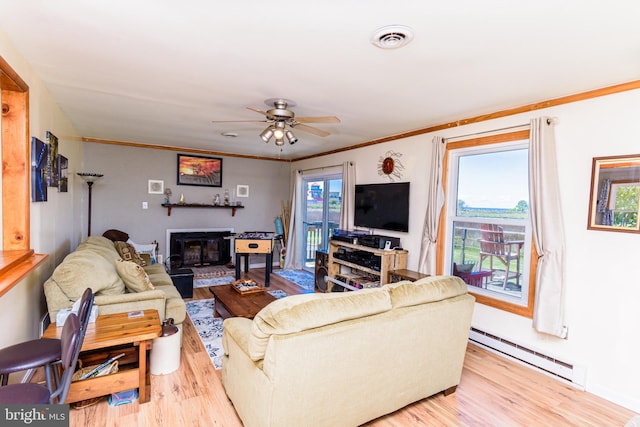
(494, 180)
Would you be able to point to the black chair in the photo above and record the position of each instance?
(41, 352)
(31, 393)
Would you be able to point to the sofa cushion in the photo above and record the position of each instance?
(100, 246)
(82, 269)
(133, 276)
(428, 289)
(301, 312)
(128, 253)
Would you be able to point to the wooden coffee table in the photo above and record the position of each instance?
(111, 334)
(230, 303)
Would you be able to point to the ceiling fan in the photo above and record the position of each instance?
(281, 120)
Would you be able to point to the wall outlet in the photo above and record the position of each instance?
(145, 205)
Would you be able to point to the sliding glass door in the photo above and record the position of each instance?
(321, 204)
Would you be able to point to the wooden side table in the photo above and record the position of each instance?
(404, 274)
(109, 335)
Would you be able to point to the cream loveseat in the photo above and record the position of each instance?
(96, 263)
(342, 359)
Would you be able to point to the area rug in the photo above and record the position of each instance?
(212, 271)
(209, 328)
(302, 278)
(212, 275)
(204, 283)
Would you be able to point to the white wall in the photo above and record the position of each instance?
(55, 223)
(602, 296)
(118, 196)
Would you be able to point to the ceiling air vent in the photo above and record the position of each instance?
(392, 36)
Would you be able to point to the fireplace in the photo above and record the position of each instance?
(197, 248)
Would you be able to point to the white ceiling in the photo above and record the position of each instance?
(158, 72)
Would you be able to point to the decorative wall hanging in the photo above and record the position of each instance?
(242, 191)
(199, 170)
(52, 140)
(156, 186)
(390, 165)
(39, 169)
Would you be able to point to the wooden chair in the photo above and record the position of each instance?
(493, 245)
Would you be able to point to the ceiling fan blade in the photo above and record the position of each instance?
(257, 110)
(310, 129)
(318, 119)
(239, 121)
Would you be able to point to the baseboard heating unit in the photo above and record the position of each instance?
(574, 374)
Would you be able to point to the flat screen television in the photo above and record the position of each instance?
(382, 206)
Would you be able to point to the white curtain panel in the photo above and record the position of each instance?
(548, 229)
(348, 195)
(291, 259)
(435, 200)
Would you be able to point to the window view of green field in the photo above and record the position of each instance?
(491, 220)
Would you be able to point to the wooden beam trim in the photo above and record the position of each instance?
(16, 165)
(610, 90)
(185, 150)
(9, 79)
(13, 274)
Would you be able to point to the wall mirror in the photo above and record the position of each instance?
(615, 194)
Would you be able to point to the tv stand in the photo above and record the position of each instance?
(349, 270)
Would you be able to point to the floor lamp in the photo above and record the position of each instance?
(90, 178)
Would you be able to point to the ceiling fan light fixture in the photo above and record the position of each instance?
(279, 142)
(266, 134)
(291, 137)
(278, 130)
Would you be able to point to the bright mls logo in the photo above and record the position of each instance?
(34, 415)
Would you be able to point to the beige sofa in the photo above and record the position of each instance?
(93, 264)
(342, 359)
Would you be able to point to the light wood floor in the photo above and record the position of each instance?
(493, 392)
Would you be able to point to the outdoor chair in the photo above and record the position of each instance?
(493, 245)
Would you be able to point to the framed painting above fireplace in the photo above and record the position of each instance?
(199, 170)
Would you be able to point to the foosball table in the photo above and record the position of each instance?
(256, 242)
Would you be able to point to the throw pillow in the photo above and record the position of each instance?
(116, 235)
(128, 253)
(133, 276)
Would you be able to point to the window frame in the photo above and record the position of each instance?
(443, 248)
(17, 259)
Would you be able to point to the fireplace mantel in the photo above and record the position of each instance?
(200, 205)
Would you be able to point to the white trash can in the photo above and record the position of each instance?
(165, 352)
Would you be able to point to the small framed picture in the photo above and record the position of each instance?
(156, 186)
(242, 191)
(63, 174)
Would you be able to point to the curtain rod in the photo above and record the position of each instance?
(487, 131)
(323, 167)
(550, 121)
